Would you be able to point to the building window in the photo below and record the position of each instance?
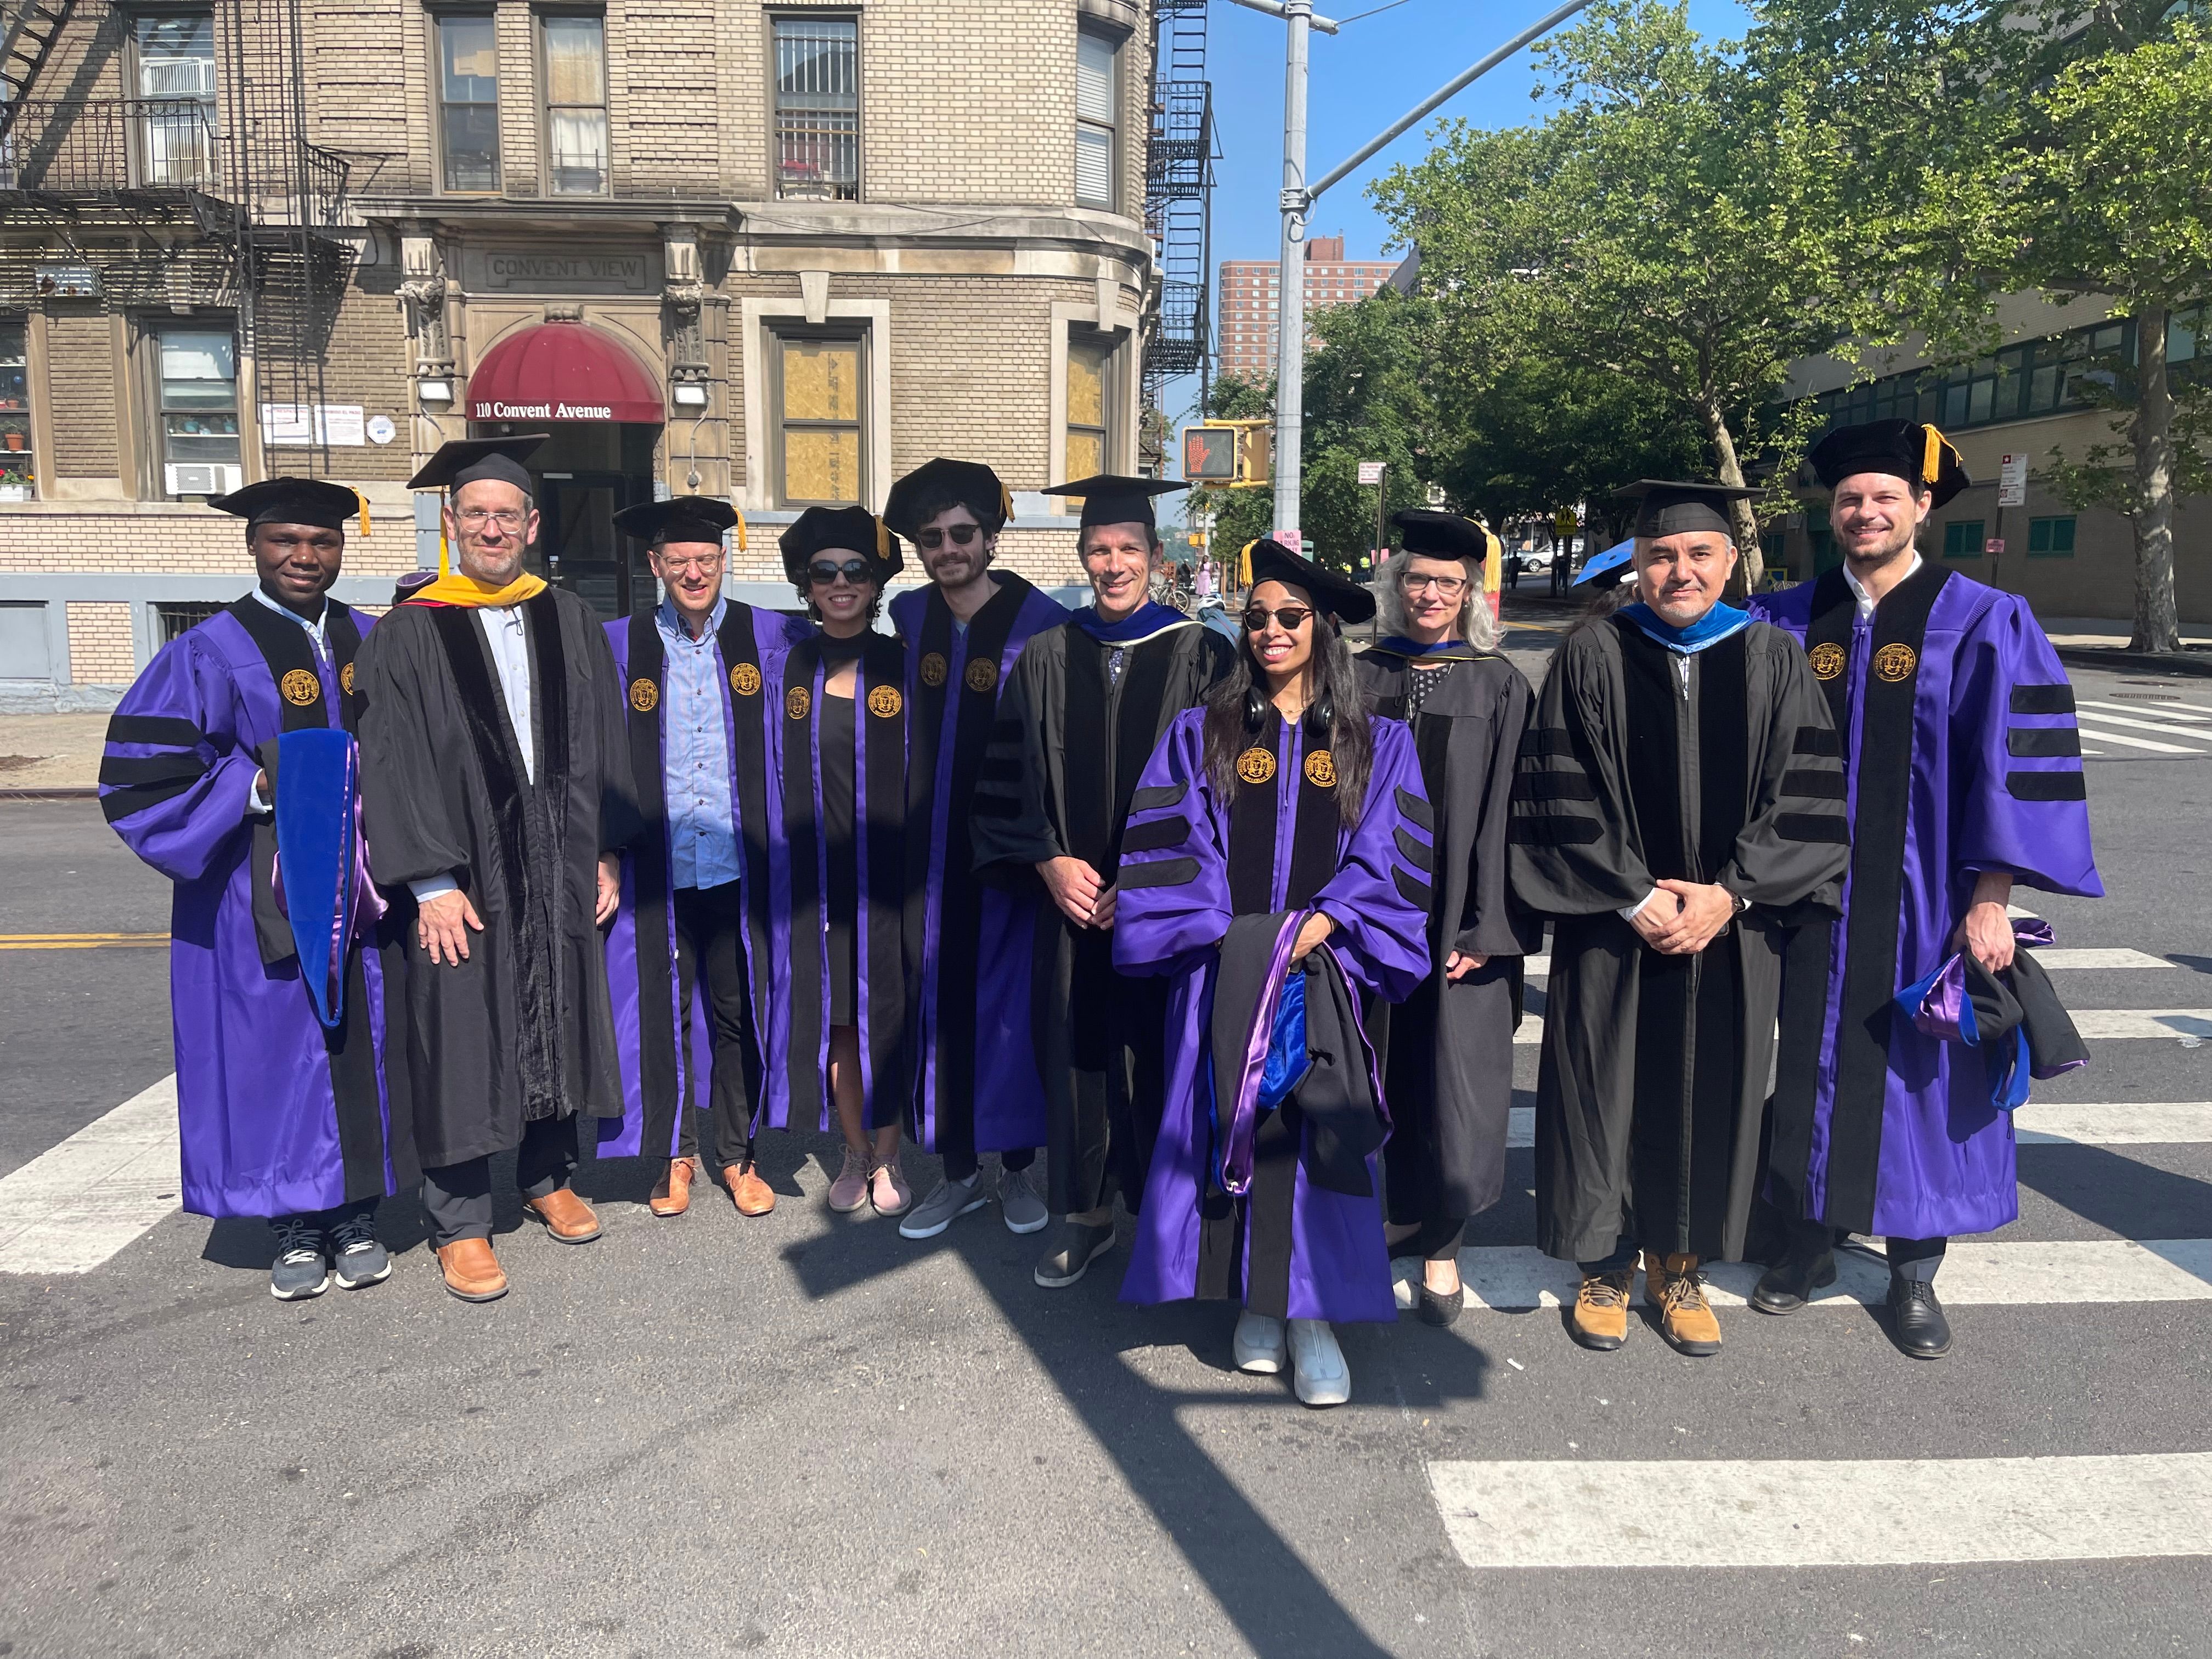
(2051, 539)
(820, 417)
(178, 617)
(818, 108)
(1089, 396)
(1821, 537)
(174, 144)
(1962, 539)
(468, 101)
(1097, 70)
(574, 50)
(18, 479)
(198, 425)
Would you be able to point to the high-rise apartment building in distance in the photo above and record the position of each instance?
(1251, 291)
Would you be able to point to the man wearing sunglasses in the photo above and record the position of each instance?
(1087, 705)
(694, 886)
(967, 946)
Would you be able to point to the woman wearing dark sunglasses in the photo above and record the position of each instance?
(1276, 867)
(842, 770)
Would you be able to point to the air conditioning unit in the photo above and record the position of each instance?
(202, 478)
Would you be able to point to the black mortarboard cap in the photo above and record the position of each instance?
(1109, 498)
(467, 460)
(1903, 449)
(682, 519)
(970, 483)
(1340, 596)
(314, 501)
(1441, 535)
(852, 527)
(1667, 507)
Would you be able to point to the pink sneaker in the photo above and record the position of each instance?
(849, 1191)
(888, 1191)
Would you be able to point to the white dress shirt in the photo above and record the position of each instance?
(509, 642)
(1865, 600)
(317, 630)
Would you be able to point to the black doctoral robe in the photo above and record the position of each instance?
(1652, 1084)
(1070, 740)
(523, 1030)
(1447, 1049)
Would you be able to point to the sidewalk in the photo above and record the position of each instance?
(43, 752)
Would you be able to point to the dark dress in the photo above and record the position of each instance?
(842, 854)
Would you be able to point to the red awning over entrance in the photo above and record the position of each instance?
(562, 372)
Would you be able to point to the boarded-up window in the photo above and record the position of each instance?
(1089, 361)
(821, 420)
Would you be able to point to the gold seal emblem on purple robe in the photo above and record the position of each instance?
(300, 687)
(885, 702)
(934, 668)
(744, 680)
(1827, 660)
(345, 679)
(1320, 769)
(644, 696)
(1895, 662)
(982, 674)
(1256, 765)
(796, 702)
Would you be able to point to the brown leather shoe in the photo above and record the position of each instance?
(1599, 1319)
(752, 1195)
(671, 1193)
(566, 1216)
(471, 1271)
(1685, 1319)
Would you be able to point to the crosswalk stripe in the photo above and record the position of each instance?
(2187, 713)
(2053, 959)
(2134, 1123)
(1683, 1512)
(1976, 1273)
(2133, 724)
(77, 941)
(2191, 1025)
(2126, 742)
(83, 1198)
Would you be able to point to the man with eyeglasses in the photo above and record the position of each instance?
(690, 956)
(1085, 707)
(968, 947)
(496, 778)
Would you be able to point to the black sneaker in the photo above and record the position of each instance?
(359, 1254)
(301, 1270)
(1074, 1248)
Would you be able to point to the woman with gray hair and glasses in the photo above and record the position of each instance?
(1447, 1049)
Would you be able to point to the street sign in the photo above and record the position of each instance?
(1995, 545)
(1565, 524)
(1294, 540)
(1209, 452)
(1370, 472)
(2012, 481)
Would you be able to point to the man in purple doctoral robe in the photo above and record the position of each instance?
(967, 951)
(277, 1115)
(1964, 777)
(694, 958)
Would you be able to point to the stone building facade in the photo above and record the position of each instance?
(777, 252)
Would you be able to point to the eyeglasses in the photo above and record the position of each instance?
(822, 573)
(703, 563)
(1289, 618)
(1450, 586)
(960, 535)
(477, 517)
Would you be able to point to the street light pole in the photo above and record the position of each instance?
(1290, 300)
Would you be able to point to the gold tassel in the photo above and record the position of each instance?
(1005, 504)
(741, 526)
(1931, 460)
(883, 540)
(444, 567)
(363, 499)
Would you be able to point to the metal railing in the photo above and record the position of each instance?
(113, 148)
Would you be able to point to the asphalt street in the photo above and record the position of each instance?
(803, 1435)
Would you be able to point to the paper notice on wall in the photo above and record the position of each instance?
(334, 426)
(344, 425)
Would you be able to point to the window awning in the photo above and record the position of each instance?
(563, 371)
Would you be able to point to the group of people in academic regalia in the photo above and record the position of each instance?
(1233, 932)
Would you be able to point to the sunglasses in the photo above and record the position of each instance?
(1289, 618)
(822, 573)
(960, 535)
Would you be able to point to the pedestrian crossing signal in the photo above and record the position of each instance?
(1234, 454)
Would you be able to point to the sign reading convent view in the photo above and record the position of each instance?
(529, 270)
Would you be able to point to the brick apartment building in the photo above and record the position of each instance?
(1250, 290)
(779, 253)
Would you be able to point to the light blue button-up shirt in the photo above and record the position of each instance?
(695, 754)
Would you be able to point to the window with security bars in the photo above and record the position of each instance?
(181, 617)
(175, 55)
(574, 49)
(821, 419)
(1097, 68)
(1090, 369)
(818, 108)
(468, 101)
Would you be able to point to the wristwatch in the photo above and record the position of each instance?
(1740, 902)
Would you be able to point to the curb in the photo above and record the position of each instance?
(2176, 663)
(59, 792)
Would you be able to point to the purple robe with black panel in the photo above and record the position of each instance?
(1191, 863)
(275, 1117)
(660, 1068)
(1959, 745)
(968, 945)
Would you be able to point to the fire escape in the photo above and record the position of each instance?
(216, 199)
(1179, 158)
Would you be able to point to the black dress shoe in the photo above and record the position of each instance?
(1917, 1322)
(1437, 1307)
(1789, 1285)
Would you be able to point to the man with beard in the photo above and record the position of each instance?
(1086, 705)
(495, 770)
(968, 946)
